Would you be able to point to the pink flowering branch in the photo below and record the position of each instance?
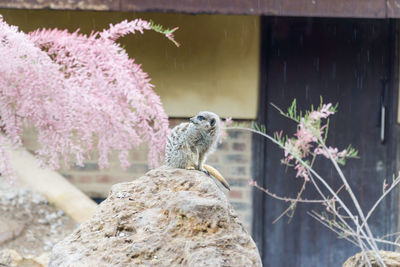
(286, 199)
(123, 28)
(300, 152)
(310, 140)
(82, 93)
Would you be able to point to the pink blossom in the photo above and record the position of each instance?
(81, 93)
(333, 151)
(252, 182)
(302, 144)
(123, 28)
(342, 154)
(304, 139)
(307, 136)
(302, 172)
(289, 149)
(323, 113)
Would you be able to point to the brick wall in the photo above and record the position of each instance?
(232, 159)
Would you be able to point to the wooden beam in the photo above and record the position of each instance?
(318, 8)
(99, 5)
(393, 8)
(51, 184)
(315, 8)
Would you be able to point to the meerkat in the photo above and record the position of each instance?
(190, 143)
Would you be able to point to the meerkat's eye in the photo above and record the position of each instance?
(212, 122)
(200, 118)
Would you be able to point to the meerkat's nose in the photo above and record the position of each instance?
(192, 120)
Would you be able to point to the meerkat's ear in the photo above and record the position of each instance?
(212, 122)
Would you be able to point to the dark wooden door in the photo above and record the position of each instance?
(346, 61)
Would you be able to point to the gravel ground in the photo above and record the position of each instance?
(43, 224)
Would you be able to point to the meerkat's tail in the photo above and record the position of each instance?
(214, 172)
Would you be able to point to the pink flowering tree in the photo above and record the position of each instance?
(300, 152)
(81, 93)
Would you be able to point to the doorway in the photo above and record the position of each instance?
(346, 61)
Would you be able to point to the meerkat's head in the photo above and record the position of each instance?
(207, 120)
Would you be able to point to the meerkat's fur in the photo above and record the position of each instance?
(190, 143)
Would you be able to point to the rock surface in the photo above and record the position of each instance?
(29, 224)
(169, 217)
(390, 258)
(9, 257)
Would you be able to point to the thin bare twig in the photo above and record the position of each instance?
(395, 182)
(317, 217)
(389, 235)
(334, 211)
(382, 241)
(360, 244)
(287, 199)
(303, 187)
(283, 113)
(292, 205)
(356, 204)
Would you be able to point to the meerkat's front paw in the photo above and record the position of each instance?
(200, 168)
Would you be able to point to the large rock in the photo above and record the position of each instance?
(168, 217)
(390, 258)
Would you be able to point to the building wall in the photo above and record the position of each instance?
(216, 68)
